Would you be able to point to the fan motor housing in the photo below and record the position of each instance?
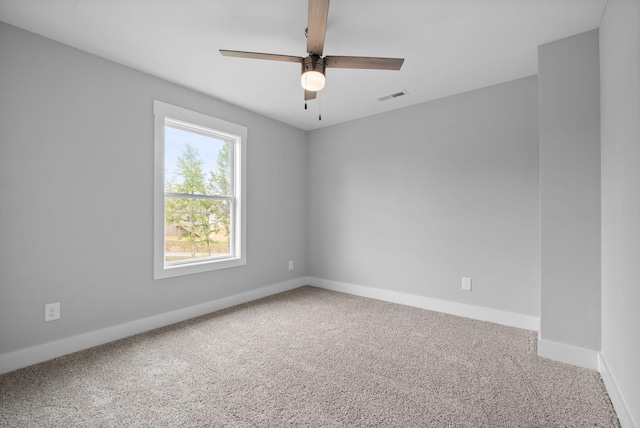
(313, 63)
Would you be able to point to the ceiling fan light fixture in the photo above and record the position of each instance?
(312, 81)
(312, 78)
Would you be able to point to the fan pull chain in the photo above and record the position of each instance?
(319, 106)
(305, 105)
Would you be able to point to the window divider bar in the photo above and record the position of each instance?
(197, 196)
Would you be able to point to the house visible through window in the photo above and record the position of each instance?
(199, 192)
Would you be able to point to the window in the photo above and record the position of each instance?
(199, 199)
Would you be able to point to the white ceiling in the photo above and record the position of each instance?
(449, 46)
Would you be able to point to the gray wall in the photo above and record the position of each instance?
(568, 78)
(76, 180)
(414, 199)
(620, 109)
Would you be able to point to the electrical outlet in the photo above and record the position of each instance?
(466, 283)
(290, 264)
(51, 312)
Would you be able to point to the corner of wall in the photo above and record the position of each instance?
(569, 354)
(617, 399)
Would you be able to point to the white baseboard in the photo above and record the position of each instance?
(568, 354)
(25, 357)
(497, 316)
(621, 407)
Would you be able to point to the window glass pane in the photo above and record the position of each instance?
(196, 228)
(200, 164)
(196, 163)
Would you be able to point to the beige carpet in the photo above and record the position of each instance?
(311, 358)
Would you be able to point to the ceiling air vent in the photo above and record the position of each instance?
(396, 95)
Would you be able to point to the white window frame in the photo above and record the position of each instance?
(164, 113)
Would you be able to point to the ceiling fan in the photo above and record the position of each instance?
(314, 65)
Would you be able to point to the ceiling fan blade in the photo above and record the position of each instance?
(363, 62)
(309, 95)
(258, 55)
(317, 26)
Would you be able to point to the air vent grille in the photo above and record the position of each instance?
(396, 95)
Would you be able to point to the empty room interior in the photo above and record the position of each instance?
(461, 165)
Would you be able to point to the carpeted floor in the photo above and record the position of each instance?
(311, 358)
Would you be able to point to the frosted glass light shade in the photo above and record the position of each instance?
(312, 80)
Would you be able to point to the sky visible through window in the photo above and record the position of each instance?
(175, 142)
